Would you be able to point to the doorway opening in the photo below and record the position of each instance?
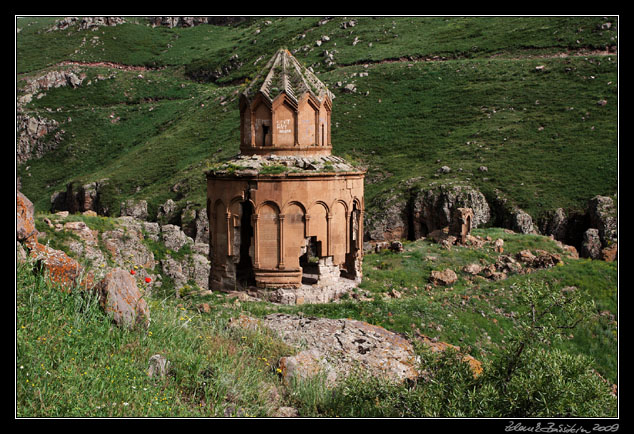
(244, 268)
(350, 269)
(309, 261)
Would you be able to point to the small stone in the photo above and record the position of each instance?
(158, 366)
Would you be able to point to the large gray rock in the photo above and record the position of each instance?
(167, 212)
(336, 347)
(36, 136)
(192, 268)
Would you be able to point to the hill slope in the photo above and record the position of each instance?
(532, 99)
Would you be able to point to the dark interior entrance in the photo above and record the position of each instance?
(244, 268)
(308, 261)
(265, 131)
(349, 269)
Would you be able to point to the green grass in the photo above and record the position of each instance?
(72, 361)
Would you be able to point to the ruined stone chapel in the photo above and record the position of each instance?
(285, 215)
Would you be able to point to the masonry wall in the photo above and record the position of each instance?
(287, 213)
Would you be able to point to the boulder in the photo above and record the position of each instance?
(472, 269)
(603, 216)
(556, 224)
(446, 277)
(336, 347)
(60, 267)
(167, 212)
(126, 247)
(591, 245)
(120, 296)
(25, 225)
(158, 366)
(396, 246)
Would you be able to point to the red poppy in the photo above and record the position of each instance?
(132, 272)
(148, 280)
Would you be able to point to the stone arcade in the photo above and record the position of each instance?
(286, 216)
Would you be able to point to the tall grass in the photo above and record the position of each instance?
(73, 361)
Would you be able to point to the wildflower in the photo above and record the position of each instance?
(136, 267)
(148, 280)
(132, 272)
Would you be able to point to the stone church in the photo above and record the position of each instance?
(285, 215)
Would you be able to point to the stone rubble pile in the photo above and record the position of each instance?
(253, 164)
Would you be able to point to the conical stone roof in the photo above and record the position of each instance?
(284, 73)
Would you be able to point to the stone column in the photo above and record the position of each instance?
(229, 241)
(328, 234)
(280, 226)
(254, 221)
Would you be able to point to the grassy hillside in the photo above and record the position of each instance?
(518, 95)
(534, 99)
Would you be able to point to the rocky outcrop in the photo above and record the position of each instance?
(434, 208)
(195, 223)
(86, 23)
(36, 86)
(36, 135)
(336, 348)
(134, 208)
(60, 267)
(444, 277)
(193, 21)
(603, 216)
(510, 216)
(390, 220)
(593, 232)
(591, 244)
(33, 138)
(81, 198)
(422, 210)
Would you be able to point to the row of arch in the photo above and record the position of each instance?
(284, 122)
(278, 234)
